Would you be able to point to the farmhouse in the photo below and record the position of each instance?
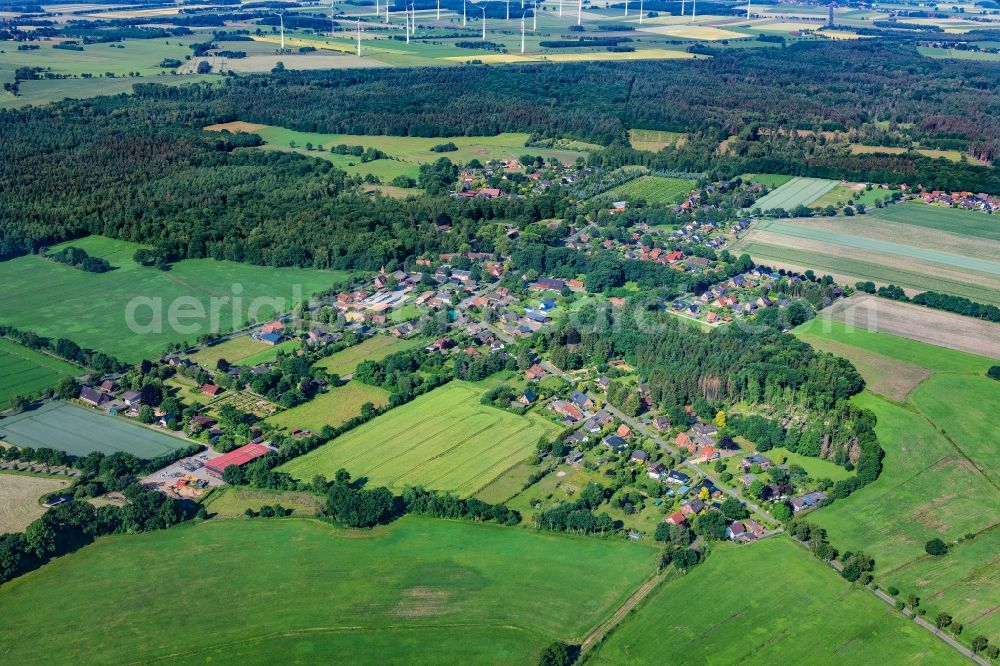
(94, 396)
(239, 457)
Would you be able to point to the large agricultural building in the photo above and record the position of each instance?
(239, 457)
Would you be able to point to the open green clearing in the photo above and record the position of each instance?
(737, 608)
(277, 590)
(955, 54)
(954, 220)
(91, 308)
(443, 440)
(78, 431)
(963, 583)
(842, 194)
(407, 152)
(654, 140)
(374, 348)
(799, 191)
(652, 189)
(24, 371)
(332, 408)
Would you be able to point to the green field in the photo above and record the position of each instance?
(768, 603)
(652, 189)
(939, 475)
(90, 308)
(331, 408)
(444, 440)
(654, 140)
(239, 349)
(798, 191)
(230, 501)
(374, 348)
(963, 583)
(842, 194)
(78, 431)
(26, 372)
(299, 590)
(954, 220)
(955, 54)
(407, 152)
(769, 180)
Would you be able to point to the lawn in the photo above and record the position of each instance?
(443, 440)
(19, 495)
(69, 308)
(374, 348)
(767, 603)
(78, 431)
(25, 372)
(798, 191)
(963, 583)
(769, 180)
(298, 589)
(331, 408)
(652, 189)
(816, 468)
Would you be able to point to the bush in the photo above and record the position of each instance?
(936, 547)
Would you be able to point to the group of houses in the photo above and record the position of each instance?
(967, 200)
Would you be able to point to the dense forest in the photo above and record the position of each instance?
(140, 167)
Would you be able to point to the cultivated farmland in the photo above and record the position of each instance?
(856, 249)
(70, 311)
(374, 348)
(798, 191)
(476, 593)
(862, 315)
(654, 140)
(954, 220)
(78, 431)
(26, 372)
(332, 408)
(444, 440)
(237, 350)
(702, 618)
(652, 189)
(19, 495)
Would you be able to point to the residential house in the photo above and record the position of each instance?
(661, 423)
(807, 501)
(534, 373)
(656, 471)
(623, 431)
(639, 456)
(692, 507)
(528, 397)
(273, 327)
(745, 531)
(210, 389)
(581, 399)
(676, 518)
(132, 398)
(94, 396)
(756, 459)
(677, 478)
(615, 443)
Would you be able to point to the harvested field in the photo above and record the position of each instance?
(234, 127)
(19, 496)
(703, 32)
(906, 320)
(886, 376)
(654, 140)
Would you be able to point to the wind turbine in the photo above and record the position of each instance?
(484, 21)
(359, 36)
(534, 17)
(626, 7)
(579, 13)
(682, 7)
(333, 24)
(281, 17)
(748, 10)
(413, 19)
(463, 13)
(640, 12)
(386, 11)
(560, 8)
(439, 10)
(406, 19)
(508, 11)
(694, 10)
(377, 12)
(522, 34)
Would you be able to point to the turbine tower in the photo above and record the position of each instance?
(333, 23)
(484, 21)
(748, 10)
(560, 8)
(626, 7)
(694, 10)
(640, 12)
(522, 34)
(508, 11)
(359, 37)
(463, 13)
(579, 13)
(682, 7)
(281, 17)
(377, 12)
(534, 17)
(439, 10)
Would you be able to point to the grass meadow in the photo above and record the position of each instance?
(331, 408)
(443, 440)
(24, 371)
(770, 180)
(939, 218)
(654, 140)
(237, 350)
(652, 189)
(78, 431)
(231, 502)
(374, 348)
(939, 477)
(298, 589)
(90, 308)
(766, 603)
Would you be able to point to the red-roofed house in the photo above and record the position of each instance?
(211, 389)
(238, 457)
(676, 518)
(273, 327)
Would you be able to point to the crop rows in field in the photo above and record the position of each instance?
(26, 372)
(444, 440)
(798, 191)
(652, 189)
